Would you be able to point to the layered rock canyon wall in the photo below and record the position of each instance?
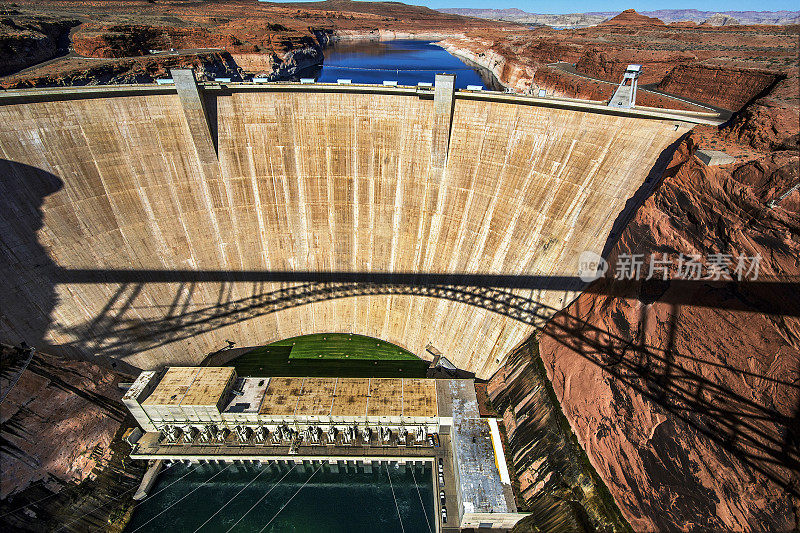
(207, 65)
(73, 403)
(25, 41)
(63, 460)
(554, 481)
(681, 64)
(705, 415)
(727, 87)
(271, 40)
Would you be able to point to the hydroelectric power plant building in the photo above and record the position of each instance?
(196, 414)
(206, 395)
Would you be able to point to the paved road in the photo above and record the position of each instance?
(73, 55)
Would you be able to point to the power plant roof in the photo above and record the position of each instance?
(210, 384)
(191, 385)
(173, 386)
(350, 397)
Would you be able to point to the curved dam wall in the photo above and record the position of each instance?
(117, 184)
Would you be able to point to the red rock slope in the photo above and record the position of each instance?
(691, 413)
(727, 86)
(58, 421)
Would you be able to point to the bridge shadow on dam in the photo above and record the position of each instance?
(757, 434)
(753, 431)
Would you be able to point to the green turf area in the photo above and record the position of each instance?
(343, 346)
(330, 355)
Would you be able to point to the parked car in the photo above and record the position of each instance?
(441, 465)
(441, 497)
(444, 515)
(441, 479)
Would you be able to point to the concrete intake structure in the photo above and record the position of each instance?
(112, 197)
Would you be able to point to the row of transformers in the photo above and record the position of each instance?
(284, 434)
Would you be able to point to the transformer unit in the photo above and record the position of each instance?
(189, 434)
(243, 433)
(402, 437)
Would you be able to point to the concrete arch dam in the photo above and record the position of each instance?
(113, 199)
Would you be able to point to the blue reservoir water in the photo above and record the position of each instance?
(404, 61)
(251, 498)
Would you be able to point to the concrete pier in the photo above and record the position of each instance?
(149, 479)
(443, 101)
(194, 109)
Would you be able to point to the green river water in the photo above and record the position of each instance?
(253, 498)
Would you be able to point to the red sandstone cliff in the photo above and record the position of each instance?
(771, 121)
(723, 66)
(144, 69)
(727, 87)
(609, 63)
(25, 40)
(64, 463)
(690, 413)
(526, 66)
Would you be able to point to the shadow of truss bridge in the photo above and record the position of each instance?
(759, 435)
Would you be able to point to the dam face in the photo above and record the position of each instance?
(297, 179)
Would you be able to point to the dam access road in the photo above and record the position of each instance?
(129, 211)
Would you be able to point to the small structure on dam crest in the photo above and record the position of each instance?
(625, 95)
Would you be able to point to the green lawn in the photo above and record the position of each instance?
(343, 346)
(330, 355)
